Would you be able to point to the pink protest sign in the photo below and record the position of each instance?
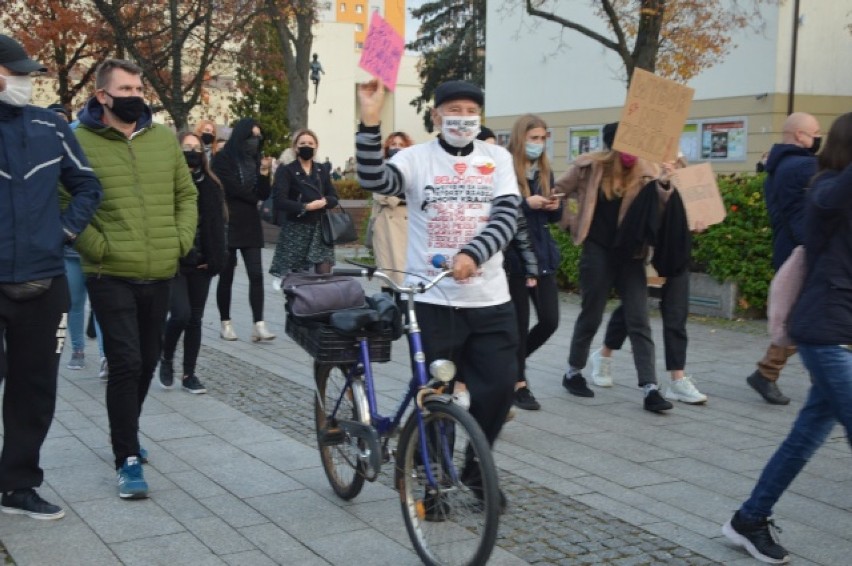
(382, 51)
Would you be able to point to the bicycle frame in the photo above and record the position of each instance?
(386, 425)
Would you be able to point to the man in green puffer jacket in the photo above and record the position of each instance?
(130, 250)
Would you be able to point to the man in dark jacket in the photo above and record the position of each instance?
(790, 166)
(37, 151)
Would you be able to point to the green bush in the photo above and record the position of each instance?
(349, 189)
(739, 249)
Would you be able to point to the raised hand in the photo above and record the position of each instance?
(371, 99)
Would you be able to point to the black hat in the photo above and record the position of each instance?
(485, 133)
(609, 134)
(59, 109)
(14, 58)
(455, 90)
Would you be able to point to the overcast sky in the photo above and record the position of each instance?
(411, 24)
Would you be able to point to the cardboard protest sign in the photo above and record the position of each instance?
(383, 50)
(697, 187)
(653, 117)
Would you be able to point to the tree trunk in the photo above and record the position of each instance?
(647, 37)
(296, 49)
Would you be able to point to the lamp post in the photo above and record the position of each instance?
(792, 90)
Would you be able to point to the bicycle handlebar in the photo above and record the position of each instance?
(369, 271)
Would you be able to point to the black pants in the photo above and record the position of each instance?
(189, 296)
(131, 316)
(545, 299)
(483, 344)
(251, 257)
(34, 334)
(674, 306)
(600, 271)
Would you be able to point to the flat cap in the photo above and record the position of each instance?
(458, 90)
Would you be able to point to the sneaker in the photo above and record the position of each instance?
(143, 455)
(103, 373)
(601, 369)
(655, 403)
(28, 502)
(758, 538)
(193, 385)
(524, 399)
(767, 389)
(684, 390)
(77, 361)
(131, 481)
(167, 374)
(577, 385)
(462, 399)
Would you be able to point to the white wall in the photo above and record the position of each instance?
(528, 71)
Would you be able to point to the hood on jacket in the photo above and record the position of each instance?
(235, 146)
(92, 116)
(780, 151)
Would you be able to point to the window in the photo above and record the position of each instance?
(583, 139)
(359, 45)
(359, 28)
(359, 8)
(343, 6)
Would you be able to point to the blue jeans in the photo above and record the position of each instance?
(77, 312)
(829, 401)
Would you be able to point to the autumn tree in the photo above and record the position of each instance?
(263, 88)
(451, 40)
(177, 43)
(293, 21)
(674, 38)
(66, 35)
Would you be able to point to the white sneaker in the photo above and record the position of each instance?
(462, 399)
(276, 283)
(685, 391)
(601, 369)
(103, 372)
(227, 332)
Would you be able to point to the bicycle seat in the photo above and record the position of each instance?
(353, 322)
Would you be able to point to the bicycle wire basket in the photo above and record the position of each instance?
(326, 346)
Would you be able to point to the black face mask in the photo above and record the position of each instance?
(208, 139)
(306, 153)
(392, 151)
(128, 109)
(252, 146)
(193, 159)
(816, 145)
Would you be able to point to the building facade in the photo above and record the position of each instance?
(740, 104)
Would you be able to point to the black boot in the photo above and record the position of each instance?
(167, 374)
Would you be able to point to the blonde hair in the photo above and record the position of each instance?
(517, 147)
(617, 180)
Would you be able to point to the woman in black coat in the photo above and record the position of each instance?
(303, 194)
(205, 260)
(245, 175)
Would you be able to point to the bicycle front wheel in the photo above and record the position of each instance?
(453, 519)
(339, 452)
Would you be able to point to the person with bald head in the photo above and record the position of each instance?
(790, 166)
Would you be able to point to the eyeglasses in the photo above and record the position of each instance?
(192, 148)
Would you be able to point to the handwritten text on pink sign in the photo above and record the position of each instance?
(382, 51)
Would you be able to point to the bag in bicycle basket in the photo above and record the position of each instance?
(326, 346)
(315, 297)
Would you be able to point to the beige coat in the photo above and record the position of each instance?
(580, 186)
(390, 235)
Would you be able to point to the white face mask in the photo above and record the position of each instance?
(459, 131)
(18, 92)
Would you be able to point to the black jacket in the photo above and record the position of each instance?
(673, 247)
(823, 312)
(210, 246)
(789, 169)
(294, 189)
(543, 244)
(244, 187)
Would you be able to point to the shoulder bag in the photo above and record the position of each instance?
(338, 227)
(315, 297)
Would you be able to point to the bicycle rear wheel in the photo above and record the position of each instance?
(339, 452)
(455, 521)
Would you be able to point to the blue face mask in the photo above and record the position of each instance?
(533, 150)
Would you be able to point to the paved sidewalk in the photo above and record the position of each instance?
(235, 476)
